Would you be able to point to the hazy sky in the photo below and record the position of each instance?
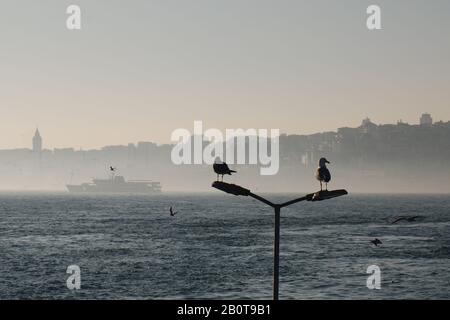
(139, 69)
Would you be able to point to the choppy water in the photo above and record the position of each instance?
(220, 246)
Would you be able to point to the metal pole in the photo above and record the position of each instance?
(276, 254)
(317, 196)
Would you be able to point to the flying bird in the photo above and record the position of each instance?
(323, 174)
(409, 219)
(221, 168)
(172, 213)
(111, 168)
(376, 242)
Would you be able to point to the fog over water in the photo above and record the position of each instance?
(380, 158)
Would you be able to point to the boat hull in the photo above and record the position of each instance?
(93, 189)
(116, 185)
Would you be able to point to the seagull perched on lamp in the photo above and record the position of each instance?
(221, 168)
(323, 174)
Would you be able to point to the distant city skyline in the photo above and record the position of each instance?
(37, 144)
(368, 157)
(136, 72)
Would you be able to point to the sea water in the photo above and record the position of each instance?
(220, 246)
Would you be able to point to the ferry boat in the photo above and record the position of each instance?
(117, 184)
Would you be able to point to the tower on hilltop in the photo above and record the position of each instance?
(37, 142)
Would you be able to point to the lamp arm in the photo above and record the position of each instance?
(259, 198)
(294, 201)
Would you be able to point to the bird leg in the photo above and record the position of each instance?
(326, 186)
(320, 185)
(217, 177)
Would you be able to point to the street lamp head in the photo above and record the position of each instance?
(325, 195)
(231, 188)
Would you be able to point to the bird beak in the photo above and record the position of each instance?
(327, 161)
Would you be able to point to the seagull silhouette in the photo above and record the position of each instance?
(322, 173)
(376, 242)
(409, 219)
(111, 168)
(172, 213)
(221, 168)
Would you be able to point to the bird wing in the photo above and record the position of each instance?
(323, 174)
(398, 219)
(225, 169)
(327, 175)
(217, 168)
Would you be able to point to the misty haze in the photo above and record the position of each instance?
(111, 185)
(394, 158)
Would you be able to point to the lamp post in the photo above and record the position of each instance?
(240, 191)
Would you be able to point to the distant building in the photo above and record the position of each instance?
(426, 120)
(366, 122)
(37, 142)
(368, 126)
(401, 123)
